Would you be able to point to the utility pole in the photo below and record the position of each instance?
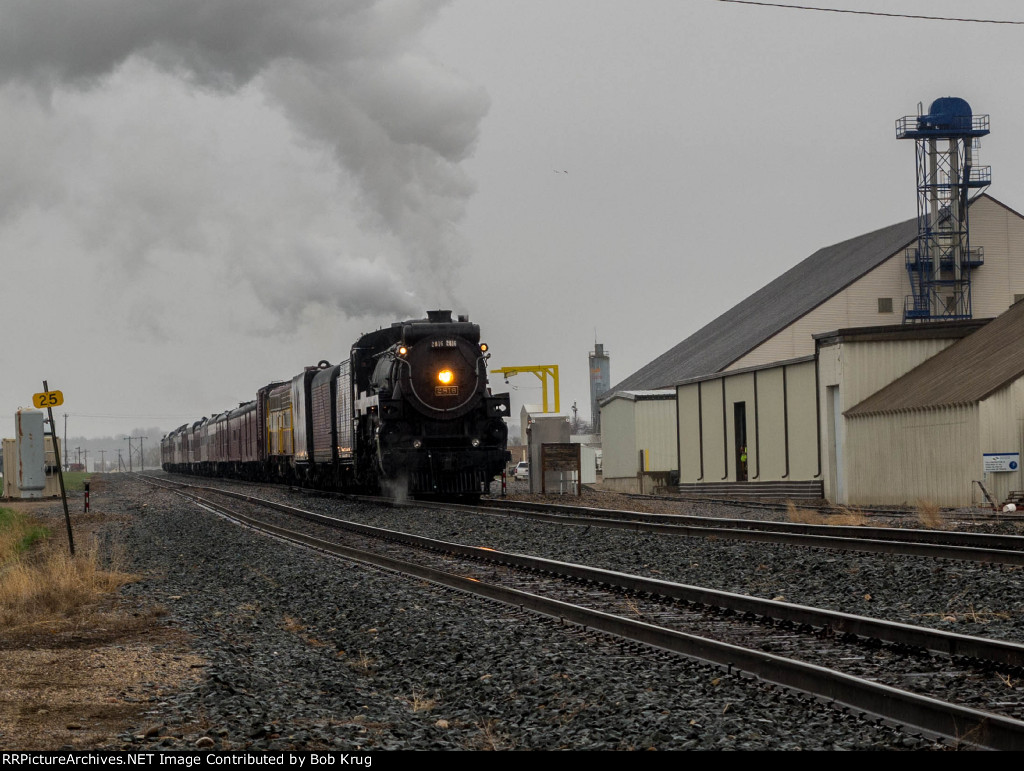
(142, 453)
(103, 461)
(129, 452)
(120, 462)
(78, 456)
(86, 459)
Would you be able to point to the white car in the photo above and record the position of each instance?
(522, 470)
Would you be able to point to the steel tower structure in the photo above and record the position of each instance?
(600, 381)
(941, 261)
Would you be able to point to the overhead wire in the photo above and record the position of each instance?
(871, 13)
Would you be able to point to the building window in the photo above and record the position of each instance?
(885, 305)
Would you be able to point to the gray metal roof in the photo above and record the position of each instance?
(637, 395)
(772, 308)
(968, 371)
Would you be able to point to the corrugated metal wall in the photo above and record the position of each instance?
(857, 370)
(994, 227)
(1001, 425)
(655, 432)
(855, 306)
(630, 426)
(922, 455)
(618, 438)
(781, 427)
(1000, 232)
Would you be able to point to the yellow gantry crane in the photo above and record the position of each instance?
(543, 372)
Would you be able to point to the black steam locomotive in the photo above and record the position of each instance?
(409, 412)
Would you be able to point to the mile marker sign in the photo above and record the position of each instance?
(48, 399)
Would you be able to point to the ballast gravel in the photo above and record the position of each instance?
(310, 652)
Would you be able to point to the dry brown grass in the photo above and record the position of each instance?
(43, 583)
(421, 703)
(849, 517)
(363, 664)
(490, 737)
(930, 515)
(803, 516)
(632, 607)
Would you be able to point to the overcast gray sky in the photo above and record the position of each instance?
(201, 196)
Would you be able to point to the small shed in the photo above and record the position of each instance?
(639, 449)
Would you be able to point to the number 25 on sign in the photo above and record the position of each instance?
(48, 399)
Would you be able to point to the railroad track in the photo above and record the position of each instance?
(902, 673)
(914, 542)
(825, 509)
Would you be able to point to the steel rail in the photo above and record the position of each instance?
(1000, 652)
(1003, 549)
(914, 535)
(985, 514)
(972, 547)
(950, 721)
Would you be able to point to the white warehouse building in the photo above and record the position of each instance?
(766, 394)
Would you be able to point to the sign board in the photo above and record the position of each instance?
(1001, 461)
(48, 399)
(562, 458)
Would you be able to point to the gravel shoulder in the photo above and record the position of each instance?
(247, 643)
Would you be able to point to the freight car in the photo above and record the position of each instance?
(410, 411)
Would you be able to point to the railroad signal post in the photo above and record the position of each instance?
(51, 399)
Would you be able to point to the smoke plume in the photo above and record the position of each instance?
(359, 214)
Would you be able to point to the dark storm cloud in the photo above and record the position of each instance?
(223, 42)
(346, 74)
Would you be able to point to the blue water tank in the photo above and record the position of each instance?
(948, 112)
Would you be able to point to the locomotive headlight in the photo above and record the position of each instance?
(402, 350)
(483, 347)
(445, 376)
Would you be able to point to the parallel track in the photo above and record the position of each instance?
(916, 542)
(672, 602)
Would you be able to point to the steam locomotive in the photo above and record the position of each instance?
(409, 412)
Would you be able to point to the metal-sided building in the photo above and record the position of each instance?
(929, 434)
(853, 364)
(857, 283)
(759, 388)
(643, 454)
(754, 426)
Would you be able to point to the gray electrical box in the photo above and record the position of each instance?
(30, 446)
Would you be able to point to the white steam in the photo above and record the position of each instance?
(306, 150)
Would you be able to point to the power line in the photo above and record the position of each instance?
(130, 417)
(869, 13)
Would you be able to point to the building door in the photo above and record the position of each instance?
(835, 426)
(739, 422)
